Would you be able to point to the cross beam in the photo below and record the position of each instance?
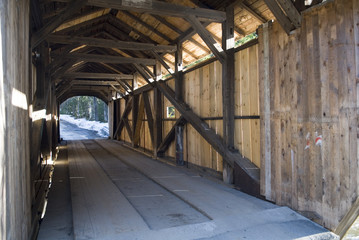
(106, 43)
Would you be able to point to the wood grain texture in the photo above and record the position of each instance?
(313, 95)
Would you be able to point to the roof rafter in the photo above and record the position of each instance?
(105, 43)
(41, 34)
(160, 8)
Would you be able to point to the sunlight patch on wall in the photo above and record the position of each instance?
(18, 99)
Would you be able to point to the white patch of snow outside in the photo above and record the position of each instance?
(99, 127)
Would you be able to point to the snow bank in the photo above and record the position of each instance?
(100, 128)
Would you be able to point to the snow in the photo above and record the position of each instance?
(99, 127)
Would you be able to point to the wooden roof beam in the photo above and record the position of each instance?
(94, 83)
(208, 38)
(41, 34)
(247, 8)
(109, 59)
(174, 28)
(282, 19)
(291, 12)
(148, 26)
(160, 8)
(106, 43)
(88, 75)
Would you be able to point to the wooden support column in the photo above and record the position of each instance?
(228, 89)
(158, 111)
(135, 102)
(179, 97)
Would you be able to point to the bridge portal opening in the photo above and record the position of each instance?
(83, 117)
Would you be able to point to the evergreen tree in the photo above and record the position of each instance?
(87, 107)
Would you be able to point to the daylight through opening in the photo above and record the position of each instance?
(83, 117)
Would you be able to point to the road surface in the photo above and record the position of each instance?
(69, 131)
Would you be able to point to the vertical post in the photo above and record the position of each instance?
(179, 145)
(134, 108)
(179, 97)
(228, 88)
(135, 102)
(158, 110)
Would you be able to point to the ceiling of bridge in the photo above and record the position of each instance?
(109, 37)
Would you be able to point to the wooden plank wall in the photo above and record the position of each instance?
(312, 78)
(15, 96)
(203, 93)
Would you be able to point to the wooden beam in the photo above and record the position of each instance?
(148, 26)
(163, 63)
(86, 24)
(170, 137)
(71, 9)
(205, 131)
(160, 8)
(57, 74)
(125, 113)
(179, 73)
(228, 89)
(109, 59)
(139, 122)
(36, 14)
(291, 12)
(282, 19)
(135, 103)
(348, 220)
(228, 79)
(247, 8)
(128, 128)
(106, 43)
(207, 38)
(148, 114)
(158, 112)
(94, 83)
(97, 75)
(60, 60)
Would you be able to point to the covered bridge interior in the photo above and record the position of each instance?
(259, 93)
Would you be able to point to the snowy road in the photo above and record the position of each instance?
(69, 131)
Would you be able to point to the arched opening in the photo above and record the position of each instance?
(83, 117)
